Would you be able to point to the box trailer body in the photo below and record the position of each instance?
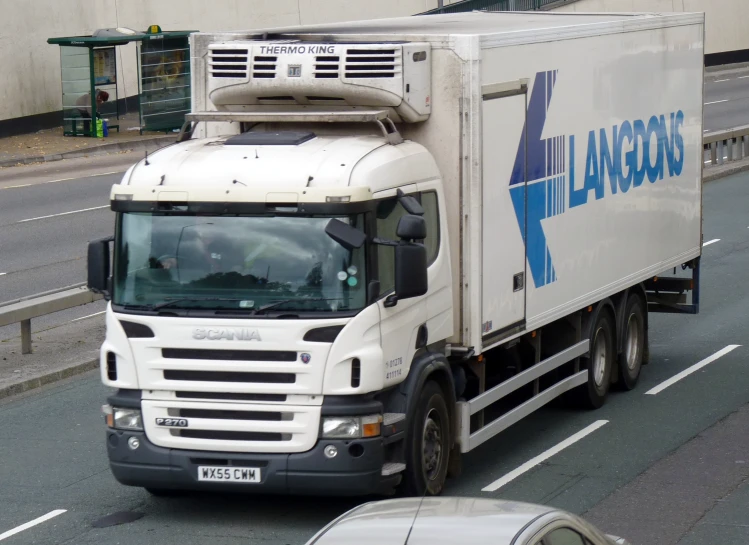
(564, 154)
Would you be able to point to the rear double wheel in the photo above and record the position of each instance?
(633, 343)
(600, 361)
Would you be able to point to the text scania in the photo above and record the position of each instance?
(624, 156)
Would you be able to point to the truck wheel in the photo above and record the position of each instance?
(428, 444)
(633, 347)
(600, 362)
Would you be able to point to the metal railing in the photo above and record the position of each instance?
(496, 5)
(728, 145)
(24, 309)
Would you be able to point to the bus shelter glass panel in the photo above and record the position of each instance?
(165, 82)
(105, 78)
(77, 103)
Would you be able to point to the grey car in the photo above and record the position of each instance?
(464, 521)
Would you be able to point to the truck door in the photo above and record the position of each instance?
(503, 188)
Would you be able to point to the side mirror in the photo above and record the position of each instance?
(411, 227)
(98, 266)
(345, 235)
(410, 272)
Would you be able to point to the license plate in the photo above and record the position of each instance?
(229, 474)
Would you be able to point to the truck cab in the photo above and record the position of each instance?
(267, 287)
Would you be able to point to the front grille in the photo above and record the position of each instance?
(221, 435)
(326, 66)
(264, 67)
(372, 63)
(228, 396)
(263, 416)
(228, 63)
(228, 355)
(230, 376)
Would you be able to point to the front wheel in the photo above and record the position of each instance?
(428, 444)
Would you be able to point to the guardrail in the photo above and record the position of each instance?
(24, 309)
(496, 5)
(728, 145)
(734, 143)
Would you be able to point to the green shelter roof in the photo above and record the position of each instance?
(122, 39)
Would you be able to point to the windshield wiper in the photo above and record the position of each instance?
(173, 301)
(270, 306)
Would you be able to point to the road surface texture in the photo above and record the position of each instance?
(664, 464)
(726, 100)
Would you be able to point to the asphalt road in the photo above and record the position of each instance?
(726, 101)
(48, 213)
(53, 454)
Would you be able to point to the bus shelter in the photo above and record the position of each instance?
(88, 66)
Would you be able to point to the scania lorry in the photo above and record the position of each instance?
(377, 245)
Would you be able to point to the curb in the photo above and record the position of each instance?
(49, 378)
(724, 171)
(158, 142)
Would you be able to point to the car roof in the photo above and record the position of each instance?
(440, 520)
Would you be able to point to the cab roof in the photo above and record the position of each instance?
(285, 165)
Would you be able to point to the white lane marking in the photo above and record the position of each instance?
(89, 316)
(63, 180)
(3, 274)
(533, 462)
(688, 371)
(743, 77)
(720, 80)
(64, 213)
(22, 527)
(715, 102)
(709, 242)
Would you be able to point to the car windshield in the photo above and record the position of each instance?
(248, 264)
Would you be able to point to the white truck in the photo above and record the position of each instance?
(376, 245)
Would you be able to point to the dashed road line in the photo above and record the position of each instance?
(64, 213)
(89, 316)
(709, 242)
(715, 102)
(689, 370)
(533, 462)
(32, 523)
(63, 180)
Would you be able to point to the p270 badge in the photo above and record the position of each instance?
(172, 422)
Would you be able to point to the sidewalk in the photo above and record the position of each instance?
(59, 353)
(51, 145)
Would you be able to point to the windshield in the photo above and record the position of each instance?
(247, 264)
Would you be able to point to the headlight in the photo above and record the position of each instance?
(123, 419)
(351, 427)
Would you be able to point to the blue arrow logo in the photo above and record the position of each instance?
(543, 195)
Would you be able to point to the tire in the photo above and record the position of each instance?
(427, 444)
(633, 343)
(600, 362)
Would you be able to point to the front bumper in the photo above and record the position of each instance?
(356, 470)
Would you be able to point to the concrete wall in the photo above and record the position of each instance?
(726, 21)
(30, 82)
